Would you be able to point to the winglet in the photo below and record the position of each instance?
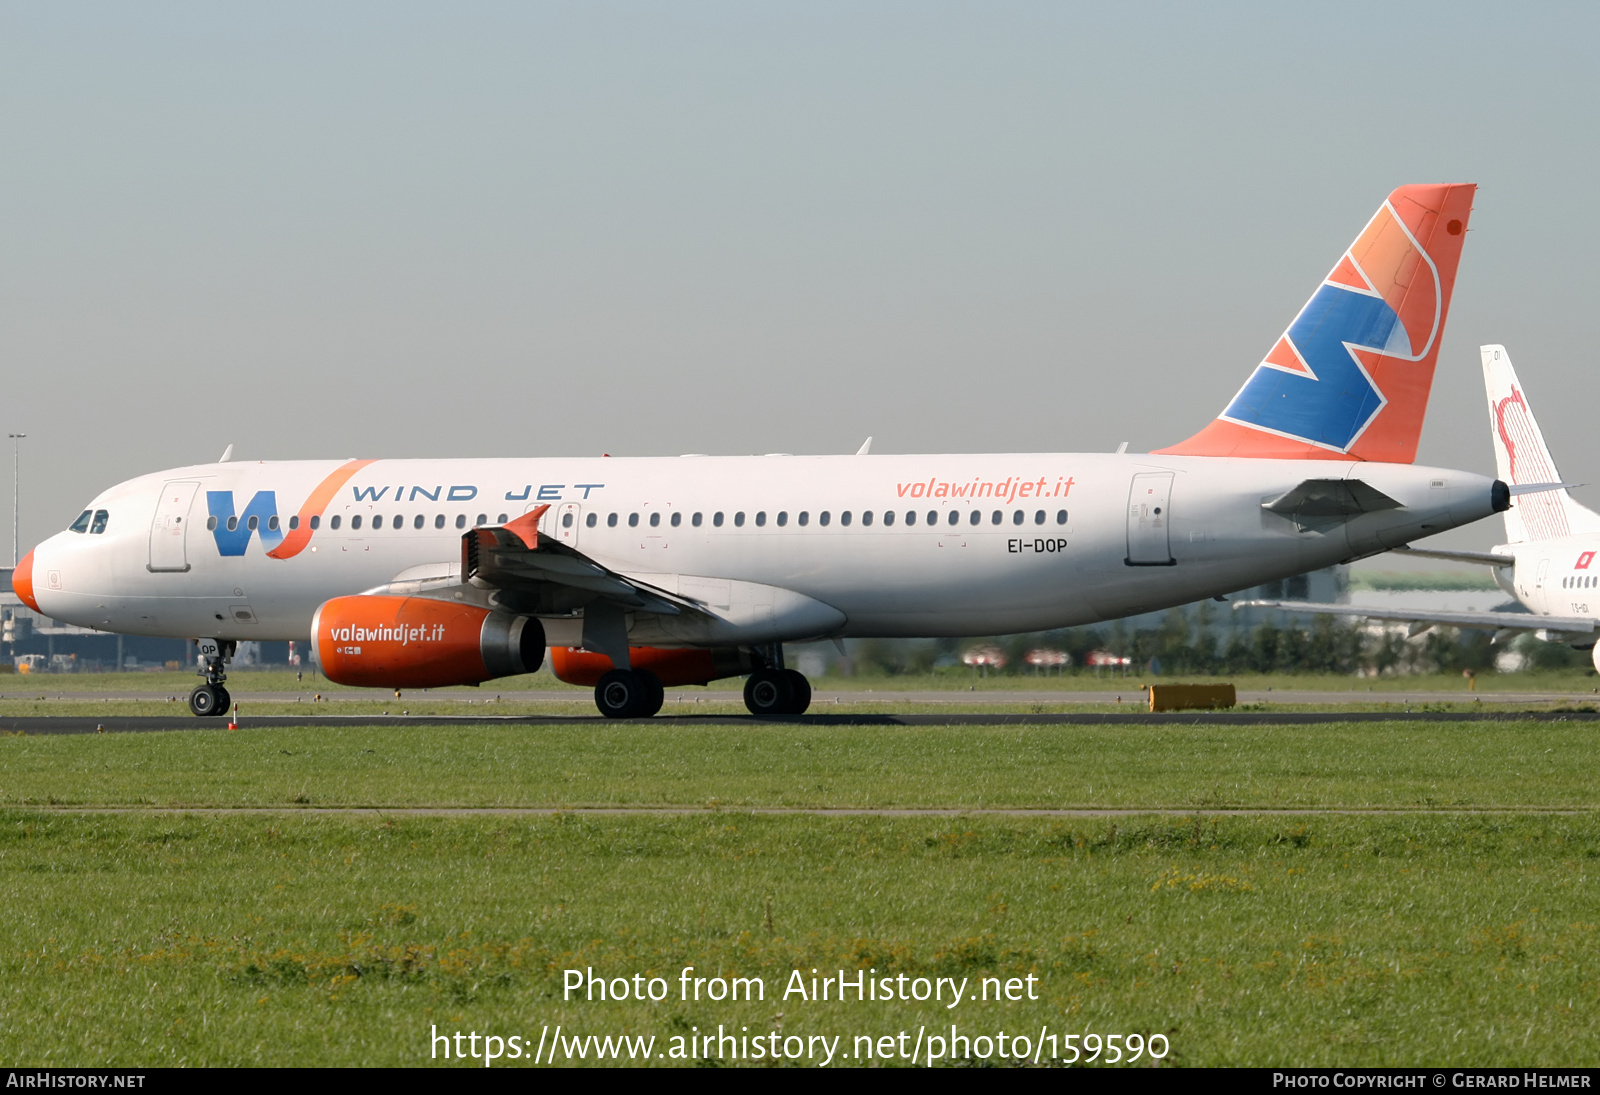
(526, 527)
(1351, 375)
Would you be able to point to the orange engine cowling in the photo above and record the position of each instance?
(380, 641)
(672, 667)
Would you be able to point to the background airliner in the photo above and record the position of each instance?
(638, 573)
(1548, 562)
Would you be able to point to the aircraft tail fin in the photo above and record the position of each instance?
(1521, 457)
(1350, 377)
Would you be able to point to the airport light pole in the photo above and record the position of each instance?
(16, 540)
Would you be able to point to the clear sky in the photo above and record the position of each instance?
(344, 229)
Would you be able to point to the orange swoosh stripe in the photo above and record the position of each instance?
(297, 539)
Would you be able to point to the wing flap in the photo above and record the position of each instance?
(1489, 621)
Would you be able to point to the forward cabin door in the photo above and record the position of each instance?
(170, 527)
(1149, 521)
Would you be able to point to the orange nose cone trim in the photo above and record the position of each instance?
(22, 581)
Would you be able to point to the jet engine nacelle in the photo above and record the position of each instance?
(671, 666)
(382, 641)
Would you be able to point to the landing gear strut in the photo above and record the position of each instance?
(211, 698)
(774, 690)
(629, 694)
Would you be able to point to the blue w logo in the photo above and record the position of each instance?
(233, 531)
(1338, 400)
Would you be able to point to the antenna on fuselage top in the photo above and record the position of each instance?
(866, 447)
(1122, 448)
(227, 454)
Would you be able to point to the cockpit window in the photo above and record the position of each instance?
(82, 523)
(100, 518)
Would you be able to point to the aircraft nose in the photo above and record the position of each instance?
(22, 581)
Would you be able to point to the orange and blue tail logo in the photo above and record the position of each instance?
(1351, 375)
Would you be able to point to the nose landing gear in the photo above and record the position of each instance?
(211, 698)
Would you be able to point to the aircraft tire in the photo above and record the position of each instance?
(654, 695)
(208, 700)
(802, 691)
(769, 692)
(628, 694)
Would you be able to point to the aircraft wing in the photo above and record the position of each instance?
(1495, 621)
(536, 573)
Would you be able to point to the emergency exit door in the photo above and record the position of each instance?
(1149, 520)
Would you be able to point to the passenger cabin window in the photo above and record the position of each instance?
(633, 520)
(590, 521)
(783, 518)
(717, 519)
(294, 522)
(804, 518)
(611, 521)
(418, 521)
(82, 523)
(333, 524)
(233, 523)
(696, 520)
(100, 518)
(975, 518)
(211, 523)
(888, 516)
(1038, 517)
(316, 522)
(566, 520)
(866, 517)
(377, 522)
(996, 517)
(933, 517)
(954, 517)
(677, 519)
(272, 522)
(655, 520)
(911, 516)
(253, 523)
(438, 522)
(461, 520)
(1061, 516)
(738, 519)
(502, 520)
(1016, 518)
(761, 518)
(355, 522)
(823, 518)
(483, 519)
(844, 518)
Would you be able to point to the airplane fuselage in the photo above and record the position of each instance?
(782, 547)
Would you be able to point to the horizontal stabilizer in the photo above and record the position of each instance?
(1540, 488)
(1481, 558)
(1330, 498)
(1487, 621)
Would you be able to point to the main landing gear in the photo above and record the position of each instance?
(211, 698)
(629, 694)
(772, 689)
(777, 692)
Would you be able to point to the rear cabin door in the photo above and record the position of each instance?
(1149, 520)
(170, 527)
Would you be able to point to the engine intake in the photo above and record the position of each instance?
(382, 641)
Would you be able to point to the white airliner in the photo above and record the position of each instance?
(638, 573)
(1548, 562)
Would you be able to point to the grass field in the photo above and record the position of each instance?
(1428, 936)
